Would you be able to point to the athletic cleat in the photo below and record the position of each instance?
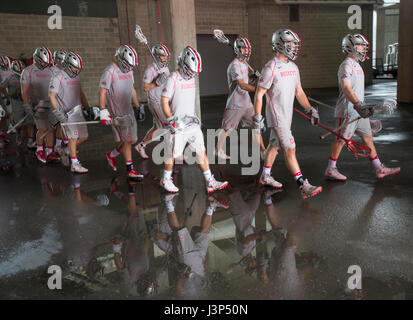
(384, 171)
(111, 162)
(214, 185)
(168, 185)
(222, 155)
(134, 174)
(40, 156)
(333, 174)
(78, 168)
(307, 190)
(141, 151)
(52, 157)
(216, 202)
(269, 181)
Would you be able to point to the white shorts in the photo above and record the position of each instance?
(127, 128)
(41, 116)
(360, 127)
(282, 137)
(232, 117)
(192, 136)
(78, 130)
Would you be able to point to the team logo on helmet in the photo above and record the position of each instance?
(189, 62)
(42, 57)
(17, 67)
(287, 42)
(73, 64)
(242, 43)
(351, 42)
(159, 50)
(126, 57)
(4, 63)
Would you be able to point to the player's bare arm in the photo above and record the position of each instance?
(148, 86)
(135, 99)
(245, 86)
(83, 98)
(102, 98)
(258, 99)
(53, 100)
(165, 107)
(302, 97)
(348, 92)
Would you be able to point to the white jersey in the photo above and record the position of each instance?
(281, 80)
(119, 86)
(67, 90)
(181, 93)
(238, 98)
(154, 95)
(349, 71)
(55, 69)
(39, 82)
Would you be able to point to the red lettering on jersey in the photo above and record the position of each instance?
(73, 83)
(187, 86)
(288, 73)
(42, 75)
(125, 76)
(360, 72)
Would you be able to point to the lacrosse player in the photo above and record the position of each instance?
(12, 85)
(239, 106)
(118, 93)
(5, 73)
(35, 80)
(280, 83)
(178, 105)
(58, 58)
(154, 79)
(67, 98)
(350, 105)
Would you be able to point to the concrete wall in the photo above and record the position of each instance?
(95, 39)
(405, 62)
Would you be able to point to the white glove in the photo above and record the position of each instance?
(161, 79)
(171, 124)
(259, 123)
(105, 117)
(117, 246)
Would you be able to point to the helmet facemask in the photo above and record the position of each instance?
(126, 58)
(159, 51)
(72, 64)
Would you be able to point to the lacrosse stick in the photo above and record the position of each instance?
(375, 125)
(18, 123)
(359, 150)
(65, 124)
(321, 103)
(142, 39)
(220, 36)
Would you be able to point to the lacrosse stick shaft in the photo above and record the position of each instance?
(339, 127)
(321, 103)
(141, 37)
(18, 123)
(77, 123)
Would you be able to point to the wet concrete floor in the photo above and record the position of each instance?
(258, 244)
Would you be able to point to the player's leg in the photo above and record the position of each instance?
(271, 153)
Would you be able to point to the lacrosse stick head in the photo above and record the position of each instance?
(359, 150)
(388, 106)
(139, 35)
(376, 126)
(220, 36)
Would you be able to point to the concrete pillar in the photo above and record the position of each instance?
(127, 22)
(405, 60)
(367, 18)
(178, 29)
(254, 33)
(380, 35)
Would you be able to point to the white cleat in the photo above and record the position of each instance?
(168, 185)
(214, 185)
(269, 181)
(307, 190)
(141, 151)
(334, 174)
(215, 202)
(384, 171)
(78, 168)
